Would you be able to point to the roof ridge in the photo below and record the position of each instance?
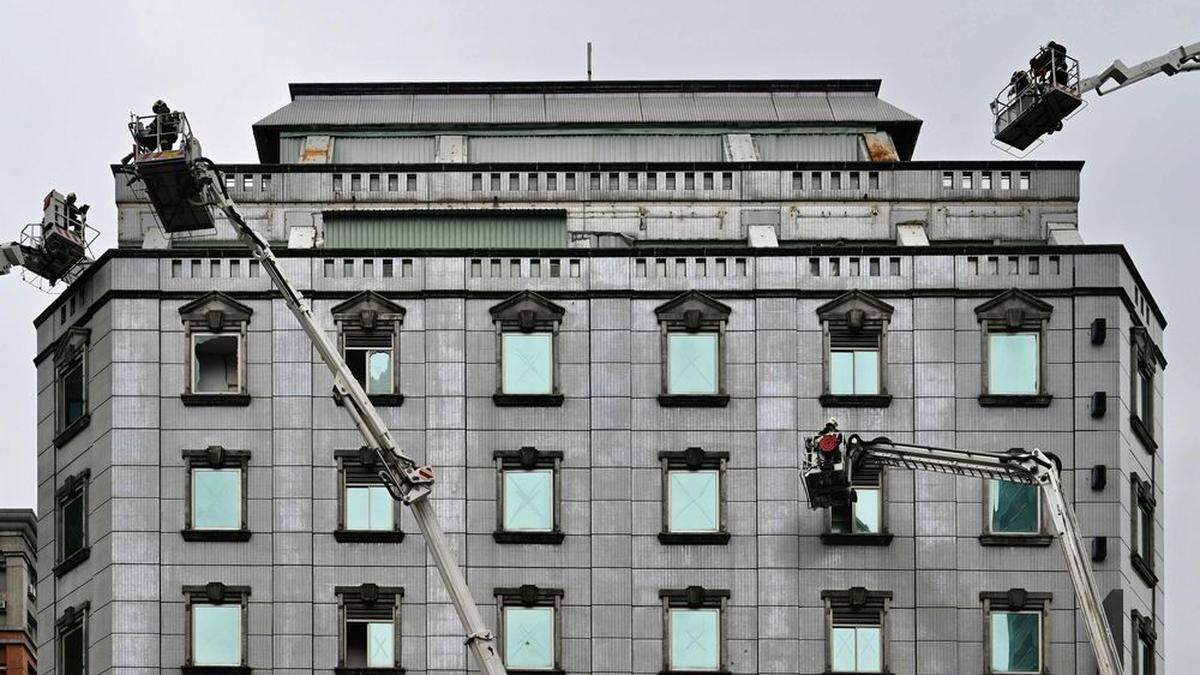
(297, 89)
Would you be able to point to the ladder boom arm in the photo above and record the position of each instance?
(1179, 60)
(1019, 466)
(405, 480)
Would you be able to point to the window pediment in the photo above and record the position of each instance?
(527, 311)
(367, 309)
(71, 343)
(855, 307)
(1014, 309)
(216, 311)
(692, 310)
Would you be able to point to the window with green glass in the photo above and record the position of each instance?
(217, 634)
(372, 368)
(1014, 508)
(73, 394)
(528, 500)
(216, 499)
(856, 649)
(862, 516)
(1016, 642)
(370, 644)
(1013, 363)
(369, 508)
(528, 363)
(529, 638)
(695, 636)
(854, 372)
(74, 524)
(694, 501)
(72, 646)
(692, 363)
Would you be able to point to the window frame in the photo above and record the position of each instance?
(857, 314)
(365, 596)
(215, 457)
(695, 597)
(363, 460)
(529, 596)
(72, 352)
(694, 459)
(1142, 364)
(529, 458)
(1014, 311)
(1144, 635)
(1143, 506)
(989, 537)
(215, 314)
(870, 476)
(527, 313)
(72, 618)
(692, 312)
(215, 593)
(857, 605)
(369, 314)
(74, 487)
(1016, 600)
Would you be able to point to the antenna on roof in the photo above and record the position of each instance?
(589, 62)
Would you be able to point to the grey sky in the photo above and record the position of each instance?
(70, 75)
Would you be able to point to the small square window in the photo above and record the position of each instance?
(369, 508)
(985, 180)
(708, 180)
(948, 180)
(216, 499)
(514, 182)
(726, 181)
(495, 182)
(814, 182)
(476, 182)
(1016, 642)
(856, 649)
(1013, 363)
(529, 620)
(854, 372)
(569, 181)
(528, 490)
(551, 181)
(393, 182)
(693, 629)
(652, 181)
(693, 497)
(1005, 180)
(373, 182)
(1024, 180)
(835, 180)
(968, 180)
(631, 180)
(670, 180)
(864, 515)
(531, 181)
(689, 181)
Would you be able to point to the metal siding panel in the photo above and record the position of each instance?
(518, 108)
(855, 107)
(670, 107)
(364, 230)
(594, 148)
(593, 108)
(802, 107)
(736, 107)
(375, 150)
(385, 109)
(289, 150)
(808, 147)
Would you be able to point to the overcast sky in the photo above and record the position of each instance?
(70, 75)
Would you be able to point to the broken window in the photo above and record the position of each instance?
(368, 330)
(529, 622)
(694, 629)
(529, 487)
(855, 624)
(248, 182)
(1013, 508)
(71, 509)
(216, 329)
(337, 182)
(369, 626)
(216, 624)
(864, 515)
(693, 495)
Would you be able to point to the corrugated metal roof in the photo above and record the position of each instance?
(430, 229)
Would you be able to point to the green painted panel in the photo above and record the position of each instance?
(445, 230)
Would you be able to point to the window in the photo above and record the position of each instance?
(692, 327)
(652, 181)
(248, 181)
(476, 182)
(814, 182)
(694, 629)
(631, 181)
(71, 522)
(1144, 639)
(968, 180)
(366, 510)
(410, 182)
(369, 627)
(693, 497)
(614, 181)
(494, 182)
(532, 181)
(985, 180)
(689, 181)
(337, 182)
(835, 180)
(862, 521)
(856, 625)
(1015, 639)
(708, 180)
(855, 180)
(369, 335)
(1013, 515)
(854, 327)
(72, 639)
(527, 328)
(726, 181)
(393, 182)
(569, 181)
(216, 624)
(873, 180)
(530, 627)
(1005, 180)
(373, 182)
(529, 492)
(1023, 180)
(797, 180)
(670, 180)
(948, 179)
(1013, 330)
(1141, 529)
(551, 181)
(215, 328)
(70, 381)
(355, 182)
(216, 496)
(1141, 398)
(514, 182)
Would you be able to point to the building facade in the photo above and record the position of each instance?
(18, 592)
(608, 313)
